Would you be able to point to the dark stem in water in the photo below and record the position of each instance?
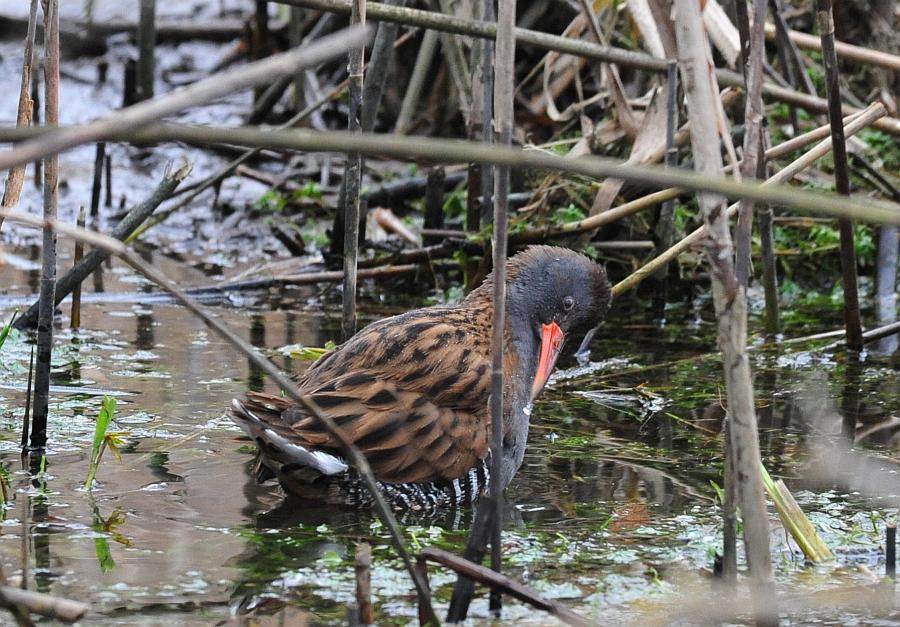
(51, 202)
(852, 321)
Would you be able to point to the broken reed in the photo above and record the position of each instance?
(795, 521)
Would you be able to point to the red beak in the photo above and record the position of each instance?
(552, 339)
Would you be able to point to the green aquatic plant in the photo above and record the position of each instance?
(309, 353)
(4, 332)
(102, 439)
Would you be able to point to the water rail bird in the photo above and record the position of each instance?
(411, 391)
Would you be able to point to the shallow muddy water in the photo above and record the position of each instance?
(614, 511)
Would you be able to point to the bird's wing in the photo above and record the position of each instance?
(405, 436)
(411, 392)
(442, 354)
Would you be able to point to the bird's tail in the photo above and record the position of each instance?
(280, 455)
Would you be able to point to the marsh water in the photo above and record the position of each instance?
(614, 511)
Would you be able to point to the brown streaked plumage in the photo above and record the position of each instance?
(412, 391)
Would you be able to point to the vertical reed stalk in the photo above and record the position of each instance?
(753, 118)
(783, 43)
(353, 178)
(295, 38)
(487, 113)
(99, 157)
(767, 252)
(260, 41)
(729, 515)
(36, 121)
(51, 202)
(26, 417)
(504, 86)
(107, 167)
(76, 291)
(364, 584)
(852, 322)
(146, 40)
(665, 225)
(434, 202)
(890, 550)
(731, 307)
(886, 273)
(16, 177)
(378, 69)
(416, 81)
(475, 123)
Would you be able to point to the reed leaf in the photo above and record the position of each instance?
(107, 412)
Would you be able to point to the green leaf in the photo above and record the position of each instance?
(4, 332)
(107, 411)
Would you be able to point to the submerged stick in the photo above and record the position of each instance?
(133, 219)
(852, 320)
(353, 454)
(124, 120)
(496, 581)
(51, 205)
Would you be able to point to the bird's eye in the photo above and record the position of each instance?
(568, 303)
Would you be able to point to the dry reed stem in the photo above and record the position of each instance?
(730, 304)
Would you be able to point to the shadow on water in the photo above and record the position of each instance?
(615, 502)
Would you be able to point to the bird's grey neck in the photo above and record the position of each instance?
(517, 410)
